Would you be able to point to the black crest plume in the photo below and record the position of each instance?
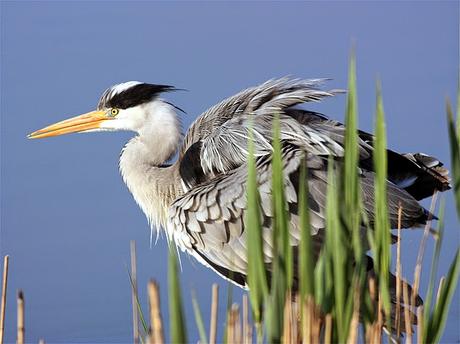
(135, 95)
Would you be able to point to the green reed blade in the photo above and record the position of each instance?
(382, 226)
(454, 138)
(257, 278)
(199, 319)
(306, 263)
(178, 331)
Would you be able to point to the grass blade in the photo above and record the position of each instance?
(350, 192)
(282, 272)
(434, 268)
(282, 246)
(134, 293)
(178, 332)
(199, 319)
(138, 305)
(350, 182)
(438, 320)
(306, 264)
(335, 240)
(454, 137)
(382, 226)
(257, 278)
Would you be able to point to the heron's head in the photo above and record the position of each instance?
(133, 106)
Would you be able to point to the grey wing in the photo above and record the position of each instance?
(209, 220)
(417, 173)
(216, 142)
(226, 147)
(272, 96)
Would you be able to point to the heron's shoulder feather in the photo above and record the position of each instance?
(272, 96)
(210, 218)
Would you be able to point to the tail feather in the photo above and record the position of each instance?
(425, 174)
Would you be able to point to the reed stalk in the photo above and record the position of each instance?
(257, 276)
(420, 325)
(440, 287)
(328, 329)
(6, 261)
(421, 252)
(354, 324)
(288, 335)
(214, 307)
(407, 316)
(234, 325)
(156, 322)
(398, 276)
(454, 137)
(20, 324)
(247, 336)
(382, 240)
(177, 327)
(134, 293)
(199, 319)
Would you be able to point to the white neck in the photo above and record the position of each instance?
(153, 187)
(159, 130)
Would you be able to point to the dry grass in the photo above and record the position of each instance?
(6, 260)
(156, 322)
(21, 326)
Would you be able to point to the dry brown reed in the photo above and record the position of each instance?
(311, 321)
(214, 306)
(247, 328)
(354, 324)
(420, 325)
(328, 329)
(372, 329)
(398, 276)
(20, 324)
(288, 321)
(6, 260)
(407, 316)
(421, 253)
(156, 323)
(234, 325)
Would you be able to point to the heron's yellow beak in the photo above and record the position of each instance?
(87, 121)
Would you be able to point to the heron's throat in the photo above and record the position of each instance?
(154, 187)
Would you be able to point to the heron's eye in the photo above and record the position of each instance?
(114, 112)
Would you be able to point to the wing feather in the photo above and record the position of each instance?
(216, 229)
(274, 95)
(208, 220)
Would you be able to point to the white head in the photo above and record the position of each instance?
(133, 106)
(136, 107)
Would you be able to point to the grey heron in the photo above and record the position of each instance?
(199, 199)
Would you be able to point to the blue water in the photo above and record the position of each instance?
(67, 218)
